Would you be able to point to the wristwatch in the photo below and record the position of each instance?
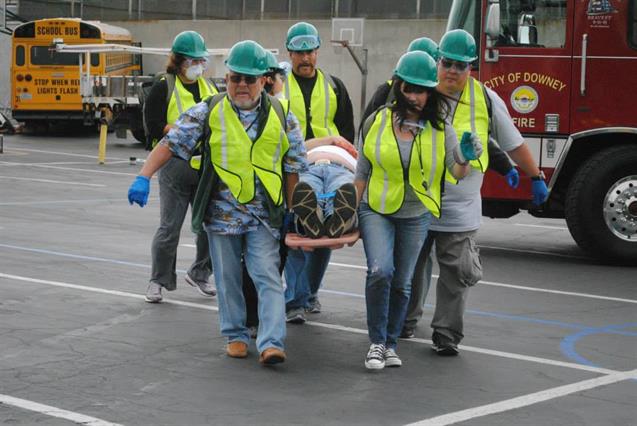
(539, 176)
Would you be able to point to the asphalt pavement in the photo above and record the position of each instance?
(551, 334)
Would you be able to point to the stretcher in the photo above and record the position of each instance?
(296, 241)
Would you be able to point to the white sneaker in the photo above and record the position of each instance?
(375, 359)
(204, 288)
(153, 293)
(391, 358)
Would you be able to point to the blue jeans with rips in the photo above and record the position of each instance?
(391, 247)
(261, 254)
(304, 271)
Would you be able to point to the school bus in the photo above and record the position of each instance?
(45, 84)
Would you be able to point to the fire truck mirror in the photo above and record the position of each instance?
(527, 30)
(493, 21)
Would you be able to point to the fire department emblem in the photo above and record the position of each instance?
(524, 99)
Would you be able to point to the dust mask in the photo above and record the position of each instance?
(193, 72)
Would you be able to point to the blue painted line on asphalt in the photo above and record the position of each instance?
(567, 345)
(340, 293)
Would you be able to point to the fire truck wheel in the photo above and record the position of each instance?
(139, 135)
(601, 204)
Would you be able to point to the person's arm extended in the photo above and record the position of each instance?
(360, 185)
(155, 160)
(524, 159)
(498, 160)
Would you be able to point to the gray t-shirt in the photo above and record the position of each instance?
(461, 203)
(412, 206)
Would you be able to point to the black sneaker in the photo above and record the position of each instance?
(407, 332)
(375, 359)
(344, 216)
(443, 345)
(295, 316)
(305, 206)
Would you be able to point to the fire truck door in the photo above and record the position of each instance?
(605, 43)
(533, 67)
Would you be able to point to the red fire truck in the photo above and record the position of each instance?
(567, 70)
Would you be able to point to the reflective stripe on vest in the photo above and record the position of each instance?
(472, 115)
(322, 105)
(237, 159)
(181, 100)
(386, 185)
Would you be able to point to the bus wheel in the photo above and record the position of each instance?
(139, 135)
(601, 205)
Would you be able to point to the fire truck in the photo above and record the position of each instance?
(567, 70)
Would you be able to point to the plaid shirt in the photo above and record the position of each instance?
(228, 215)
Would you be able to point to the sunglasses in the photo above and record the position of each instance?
(414, 88)
(249, 79)
(459, 66)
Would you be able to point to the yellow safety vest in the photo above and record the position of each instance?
(181, 100)
(237, 159)
(322, 105)
(386, 184)
(472, 115)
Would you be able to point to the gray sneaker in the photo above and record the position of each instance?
(314, 307)
(153, 293)
(295, 316)
(204, 288)
(391, 358)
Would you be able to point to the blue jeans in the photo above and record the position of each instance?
(304, 271)
(391, 247)
(261, 254)
(324, 179)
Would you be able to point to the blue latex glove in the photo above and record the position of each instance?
(513, 178)
(540, 191)
(139, 190)
(469, 148)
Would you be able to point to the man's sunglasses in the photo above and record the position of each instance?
(459, 66)
(414, 88)
(249, 79)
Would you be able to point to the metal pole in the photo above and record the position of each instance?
(81, 9)
(4, 14)
(130, 9)
(139, 10)
(364, 82)
(262, 9)
(194, 10)
(72, 8)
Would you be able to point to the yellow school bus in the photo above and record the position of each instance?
(45, 84)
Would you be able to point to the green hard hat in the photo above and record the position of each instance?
(247, 57)
(424, 44)
(191, 44)
(272, 63)
(458, 45)
(302, 36)
(418, 68)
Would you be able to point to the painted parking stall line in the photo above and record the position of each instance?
(526, 400)
(54, 411)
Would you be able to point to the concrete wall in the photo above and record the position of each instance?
(385, 40)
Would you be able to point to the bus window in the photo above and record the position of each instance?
(43, 55)
(19, 56)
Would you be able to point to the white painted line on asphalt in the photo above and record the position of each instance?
(528, 225)
(96, 200)
(100, 185)
(501, 354)
(54, 411)
(526, 400)
(565, 293)
(54, 163)
(106, 172)
(543, 253)
(69, 154)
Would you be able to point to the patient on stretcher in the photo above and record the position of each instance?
(324, 200)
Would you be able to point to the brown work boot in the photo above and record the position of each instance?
(272, 356)
(237, 349)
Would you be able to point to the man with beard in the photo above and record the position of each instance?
(253, 152)
(322, 105)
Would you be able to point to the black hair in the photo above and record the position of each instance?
(435, 111)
